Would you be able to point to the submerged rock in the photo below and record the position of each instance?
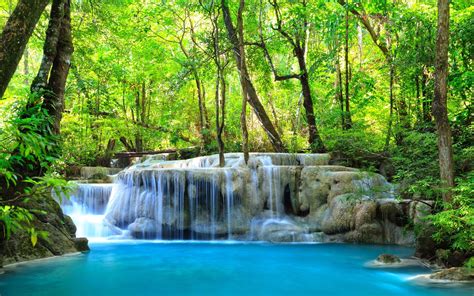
(457, 274)
(388, 259)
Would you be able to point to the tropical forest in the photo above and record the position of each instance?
(236, 147)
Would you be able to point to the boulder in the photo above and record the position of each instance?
(388, 259)
(48, 217)
(82, 244)
(144, 228)
(457, 274)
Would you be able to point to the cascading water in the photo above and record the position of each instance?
(229, 201)
(198, 200)
(87, 206)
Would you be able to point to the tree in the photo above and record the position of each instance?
(385, 48)
(249, 92)
(298, 42)
(15, 36)
(348, 119)
(440, 112)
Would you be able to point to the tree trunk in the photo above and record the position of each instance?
(440, 112)
(220, 113)
(138, 133)
(246, 83)
(26, 65)
(390, 119)
(54, 100)
(347, 113)
(222, 124)
(243, 81)
(50, 46)
(15, 36)
(203, 118)
(426, 106)
(419, 101)
(220, 93)
(339, 91)
(315, 141)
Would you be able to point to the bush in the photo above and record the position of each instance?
(455, 223)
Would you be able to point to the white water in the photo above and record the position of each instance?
(86, 206)
(191, 199)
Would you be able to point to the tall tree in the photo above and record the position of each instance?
(54, 97)
(248, 89)
(221, 85)
(384, 46)
(347, 113)
(15, 36)
(440, 112)
(298, 42)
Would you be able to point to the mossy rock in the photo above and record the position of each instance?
(458, 274)
(388, 259)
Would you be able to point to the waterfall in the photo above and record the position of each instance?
(229, 201)
(268, 199)
(86, 206)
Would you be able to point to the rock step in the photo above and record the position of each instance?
(236, 160)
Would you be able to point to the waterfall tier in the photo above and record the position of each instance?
(276, 197)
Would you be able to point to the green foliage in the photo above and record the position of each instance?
(455, 222)
(13, 219)
(355, 148)
(28, 145)
(137, 66)
(416, 165)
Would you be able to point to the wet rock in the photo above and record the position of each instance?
(82, 244)
(458, 274)
(48, 217)
(144, 228)
(391, 211)
(339, 216)
(197, 195)
(366, 233)
(70, 226)
(388, 259)
(97, 173)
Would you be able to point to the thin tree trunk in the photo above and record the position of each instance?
(26, 66)
(348, 120)
(138, 134)
(339, 91)
(220, 91)
(390, 119)
(298, 43)
(203, 117)
(426, 98)
(440, 112)
(246, 83)
(243, 82)
(15, 36)
(222, 124)
(220, 109)
(315, 141)
(143, 104)
(360, 41)
(419, 101)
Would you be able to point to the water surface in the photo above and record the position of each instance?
(209, 268)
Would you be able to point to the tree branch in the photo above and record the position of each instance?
(364, 19)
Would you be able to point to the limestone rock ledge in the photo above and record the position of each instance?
(48, 217)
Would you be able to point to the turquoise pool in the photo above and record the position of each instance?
(187, 268)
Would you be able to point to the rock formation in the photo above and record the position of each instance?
(276, 197)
